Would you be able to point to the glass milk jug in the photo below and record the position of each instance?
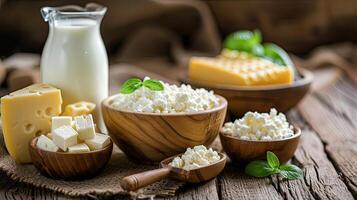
(74, 58)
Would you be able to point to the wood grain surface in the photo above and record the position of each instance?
(152, 137)
(69, 166)
(326, 153)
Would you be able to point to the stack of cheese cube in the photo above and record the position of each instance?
(75, 135)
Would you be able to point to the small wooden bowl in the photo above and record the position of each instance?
(205, 173)
(152, 137)
(244, 151)
(242, 99)
(69, 166)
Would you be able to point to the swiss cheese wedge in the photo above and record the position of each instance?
(239, 69)
(27, 113)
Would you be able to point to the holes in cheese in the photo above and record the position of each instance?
(29, 128)
(22, 115)
(79, 108)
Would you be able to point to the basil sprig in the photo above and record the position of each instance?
(260, 168)
(130, 85)
(251, 42)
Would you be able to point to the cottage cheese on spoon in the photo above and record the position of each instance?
(194, 158)
(173, 99)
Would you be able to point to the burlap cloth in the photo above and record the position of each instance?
(105, 184)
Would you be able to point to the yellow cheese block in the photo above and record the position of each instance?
(239, 69)
(27, 113)
(79, 108)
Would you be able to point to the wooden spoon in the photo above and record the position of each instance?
(139, 180)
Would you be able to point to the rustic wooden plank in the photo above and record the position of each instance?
(234, 184)
(321, 180)
(332, 114)
(207, 190)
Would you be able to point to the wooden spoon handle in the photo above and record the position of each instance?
(136, 181)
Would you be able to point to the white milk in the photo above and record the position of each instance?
(74, 60)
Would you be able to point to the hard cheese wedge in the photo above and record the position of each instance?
(242, 70)
(27, 113)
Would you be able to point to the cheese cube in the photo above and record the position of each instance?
(79, 108)
(64, 137)
(78, 148)
(46, 143)
(241, 70)
(85, 127)
(59, 121)
(27, 113)
(98, 142)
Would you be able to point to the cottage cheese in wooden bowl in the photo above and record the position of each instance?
(250, 137)
(150, 125)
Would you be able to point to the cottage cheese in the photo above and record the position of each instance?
(194, 158)
(260, 126)
(172, 99)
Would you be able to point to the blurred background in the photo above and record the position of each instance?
(160, 35)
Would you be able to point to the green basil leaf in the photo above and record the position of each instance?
(258, 50)
(259, 168)
(277, 55)
(291, 172)
(130, 85)
(243, 40)
(273, 160)
(153, 85)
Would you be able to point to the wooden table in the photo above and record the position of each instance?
(327, 154)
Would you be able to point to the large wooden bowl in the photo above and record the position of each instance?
(69, 166)
(242, 99)
(244, 151)
(151, 137)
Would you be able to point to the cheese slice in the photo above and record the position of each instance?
(241, 69)
(27, 113)
(79, 108)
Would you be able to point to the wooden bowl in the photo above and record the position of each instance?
(152, 137)
(205, 173)
(69, 166)
(244, 151)
(242, 99)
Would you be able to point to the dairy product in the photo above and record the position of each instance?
(85, 127)
(75, 52)
(239, 69)
(78, 148)
(260, 126)
(64, 137)
(172, 99)
(59, 121)
(98, 142)
(27, 113)
(195, 158)
(46, 143)
(79, 108)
